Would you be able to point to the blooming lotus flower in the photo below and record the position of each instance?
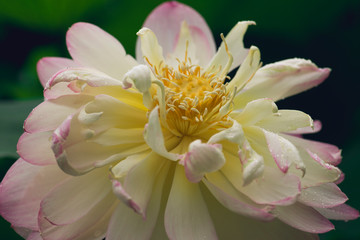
(166, 147)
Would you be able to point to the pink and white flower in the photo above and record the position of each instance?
(164, 147)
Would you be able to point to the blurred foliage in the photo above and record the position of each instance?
(325, 31)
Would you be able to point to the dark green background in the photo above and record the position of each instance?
(325, 31)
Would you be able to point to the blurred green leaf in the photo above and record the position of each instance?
(47, 14)
(12, 118)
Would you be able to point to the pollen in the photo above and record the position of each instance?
(193, 97)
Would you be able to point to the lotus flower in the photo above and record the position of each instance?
(165, 147)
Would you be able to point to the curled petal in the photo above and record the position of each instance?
(89, 76)
(140, 76)
(283, 152)
(48, 66)
(154, 137)
(202, 158)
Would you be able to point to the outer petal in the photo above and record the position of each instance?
(273, 188)
(237, 226)
(91, 226)
(304, 218)
(326, 195)
(169, 16)
(80, 194)
(282, 79)
(187, 218)
(327, 152)
(234, 41)
(234, 200)
(35, 148)
(341, 212)
(48, 66)
(22, 189)
(91, 46)
(55, 110)
(126, 224)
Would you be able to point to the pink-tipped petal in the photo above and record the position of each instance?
(327, 152)
(50, 114)
(48, 66)
(282, 79)
(324, 196)
(73, 198)
(22, 189)
(234, 200)
(283, 152)
(187, 217)
(91, 226)
(304, 218)
(28, 148)
(305, 130)
(341, 212)
(91, 46)
(170, 16)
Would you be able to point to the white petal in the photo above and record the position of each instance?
(286, 121)
(246, 71)
(150, 47)
(140, 180)
(93, 47)
(154, 137)
(255, 111)
(126, 224)
(234, 40)
(186, 214)
(202, 158)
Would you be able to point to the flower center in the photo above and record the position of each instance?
(193, 98)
